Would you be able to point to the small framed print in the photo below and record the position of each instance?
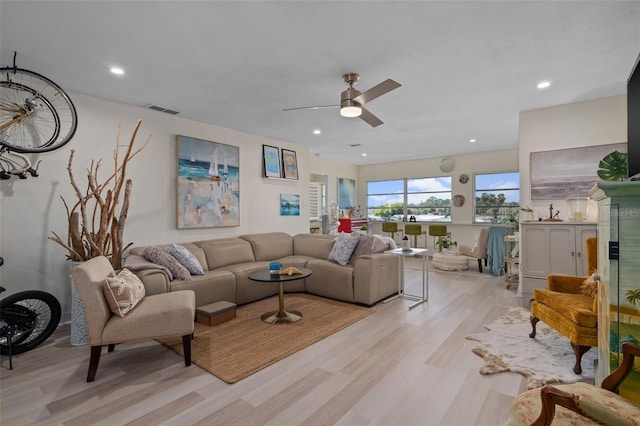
(271, 158)
(289, 164)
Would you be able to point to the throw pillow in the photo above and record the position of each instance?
(155, 255)
(589, 287)
(123, 292)
(186, 258)
(365, 246)
(380, 245)
(343, 247)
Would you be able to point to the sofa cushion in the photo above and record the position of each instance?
(343, 248)
(270, 245)
(313, 245)
(155, 255)
(123, 292)
(186, 258)
(226, 251)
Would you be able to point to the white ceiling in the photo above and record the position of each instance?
(466, 68)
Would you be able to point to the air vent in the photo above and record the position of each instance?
(354, 145)
(161, 109)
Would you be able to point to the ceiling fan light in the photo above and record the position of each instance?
(351, 111)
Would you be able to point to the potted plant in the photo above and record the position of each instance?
(529, 211)
(445, 243)
(614, 167)
(95, 226)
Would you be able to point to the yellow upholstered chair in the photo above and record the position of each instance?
(390, 228)
(415, 230)
(437, 231)
(566, 307)
(580, 403)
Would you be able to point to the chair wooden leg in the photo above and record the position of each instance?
(579, 350)
(480, 265)
(534, 321)
(93, 363)
(186, 347)
(112, 346)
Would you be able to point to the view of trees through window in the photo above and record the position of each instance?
(497, 197)
(428, 199)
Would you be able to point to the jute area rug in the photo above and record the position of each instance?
(544, 360)
(238, 348)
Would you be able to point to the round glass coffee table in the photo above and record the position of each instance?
(281, 316)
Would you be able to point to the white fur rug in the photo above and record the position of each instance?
(544, 360)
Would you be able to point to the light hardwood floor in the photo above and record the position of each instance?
(395, 367)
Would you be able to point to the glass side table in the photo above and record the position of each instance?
(425, 276)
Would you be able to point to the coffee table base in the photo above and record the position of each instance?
(281, 317)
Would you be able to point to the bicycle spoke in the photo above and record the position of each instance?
(35, 114)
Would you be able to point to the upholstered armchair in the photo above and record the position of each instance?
(479, 248)
(570, 308)
(150, 317)
(580, 403)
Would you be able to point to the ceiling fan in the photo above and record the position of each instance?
(352, 101)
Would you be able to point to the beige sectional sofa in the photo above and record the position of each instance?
(227, 263)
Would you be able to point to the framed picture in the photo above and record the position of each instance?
(556, 175)
(289, 205)
(346, 193)
(271, 158)
(289, 164)
(208, 184)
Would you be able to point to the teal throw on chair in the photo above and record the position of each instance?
(496, 250)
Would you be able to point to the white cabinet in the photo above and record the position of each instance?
(552, 248)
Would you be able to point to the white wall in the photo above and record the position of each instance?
(32, 208)
(461, 227)
(334, 170)
(595, 122)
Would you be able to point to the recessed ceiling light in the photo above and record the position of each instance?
(317, 132)
(117, 70)
(364, 154)
(472, 140)
(543, 85)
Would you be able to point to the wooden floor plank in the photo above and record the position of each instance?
(397, 366)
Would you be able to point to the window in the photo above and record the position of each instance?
(497, 197)
(428, 199)
(315, 200)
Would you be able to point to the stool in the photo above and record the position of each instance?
(438, 231)
(391, 228)
(216, 313)
(415, 230)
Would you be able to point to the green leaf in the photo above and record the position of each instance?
(613, 167)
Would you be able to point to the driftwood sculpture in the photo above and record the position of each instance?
(96, 228)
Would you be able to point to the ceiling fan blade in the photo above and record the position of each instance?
(377, 91)
(312, 107)
(371, 119)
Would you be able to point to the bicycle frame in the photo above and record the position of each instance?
(15, 164)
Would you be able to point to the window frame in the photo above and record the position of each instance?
(406, 194)
(508, 211)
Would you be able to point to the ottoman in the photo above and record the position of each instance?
(450, 261)
(216, 313)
